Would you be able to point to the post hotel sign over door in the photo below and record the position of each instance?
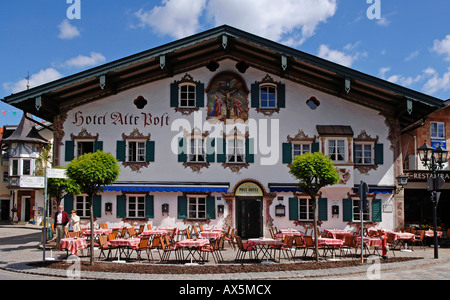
(249, 189)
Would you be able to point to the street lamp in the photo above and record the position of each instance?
(433, 159)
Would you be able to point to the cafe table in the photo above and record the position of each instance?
(369, 242)
(264, 245)
(72, 244)
(287, 232)
(193, 246)
(335, 232)
(153, 232)
(123, 244)
(210, 234)
(97, 232)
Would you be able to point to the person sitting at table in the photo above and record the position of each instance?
(74, 224)
(61, 220)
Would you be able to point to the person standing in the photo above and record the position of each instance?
(61, 220)
(75, 222)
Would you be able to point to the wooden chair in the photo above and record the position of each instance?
(391, 242)
(195, 233)
(299, 244)
(272, 234)
(123, 233)
(154, 245)
(103, 245)
(200, 227)
(167, 250)
(142, 246)
(115, 232)
(308, 231)
(214, 249)
(71, 234)
(131, 232)
(243, 249)
(188, 235)
(286, 248)
(311, 245)
(418, 239)
(149, 226)
(141, 229)
(348, 245)
(231, 238)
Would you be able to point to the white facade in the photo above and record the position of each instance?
(108, 119)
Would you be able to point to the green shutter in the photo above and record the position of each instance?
(376, 210)
(182, 207)
(149, 206)
(210, 207)
(68, 203)
(97, 206)
(249, 151)
(323, 209)
(121, 205)
(174, 95)
(210, 153)
(255, 95)
(98, 145)
(347, 210)
(287, 153)
(69, 150)
(379, 154)
(221, 151)
(315, 147)
(121, 150)
(281, 95)
(200, 95)
(293, 209)
(182, 150)
(150, 151)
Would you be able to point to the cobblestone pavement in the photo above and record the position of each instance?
(20, 245)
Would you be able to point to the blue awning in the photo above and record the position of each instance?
(377, 190)
(168, 188)
(280, 188)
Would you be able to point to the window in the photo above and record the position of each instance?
(235, 151)
(363, 154)
(84, 147)
(136, 151)
(82, 206)
(438, 130)
(15, 167)
(187, 95)
(197, 152)
(357, 213)
(196, 207)
(268, 96)
(299, 149)
(5, 176)
(26, 167)
(136, 206)
(336, 150)
(306, 209)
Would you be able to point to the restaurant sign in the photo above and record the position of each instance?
(424, 175)
(248, 189)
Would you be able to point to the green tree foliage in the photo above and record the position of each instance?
(314, 171)
(91, 172)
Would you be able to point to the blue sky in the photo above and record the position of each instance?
(409, 44)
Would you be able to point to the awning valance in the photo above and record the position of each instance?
(284, 187)
(184, 188)
(377, 190)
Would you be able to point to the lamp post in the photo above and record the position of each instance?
(433, 159)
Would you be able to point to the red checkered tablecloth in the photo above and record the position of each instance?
(335, 232)
(265, 241)
(87, 232)
(429, 233)
(288, 232)
(153, 232)
(369, 241)
(210, 234)
(188, 243)
(125, 242)
(330, 242)
(72, 244)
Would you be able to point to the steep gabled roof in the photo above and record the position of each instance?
(26, 132)
(218, 44)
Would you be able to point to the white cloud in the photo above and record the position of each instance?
(412, 55)
(67, 31)
(400, 79)
(177, 18)
(273, 19)
(437, 83)
(82, 61)
(443, 47)
(43, 76)
(336, 56)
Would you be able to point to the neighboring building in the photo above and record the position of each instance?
(435, 131)
(205, 128)
(24, 152)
